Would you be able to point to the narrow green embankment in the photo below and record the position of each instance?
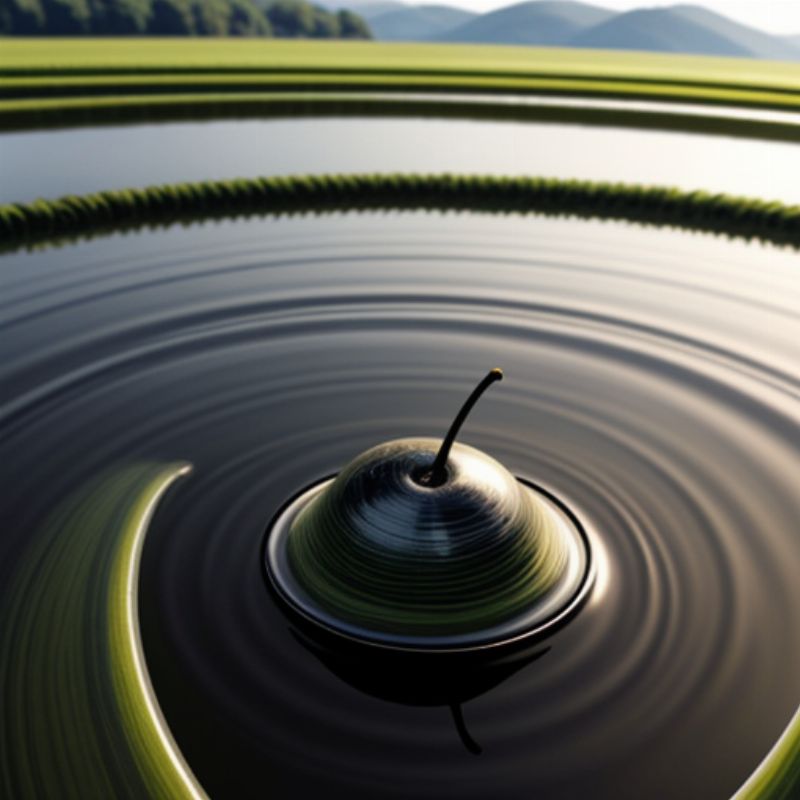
(43, 221)
(778, 776)
(57, 82)
(79, 716)
(95, 112)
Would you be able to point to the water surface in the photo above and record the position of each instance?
(651, 383)
(53, 163)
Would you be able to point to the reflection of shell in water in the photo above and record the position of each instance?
(377, 555)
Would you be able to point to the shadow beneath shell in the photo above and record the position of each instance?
(415, 679)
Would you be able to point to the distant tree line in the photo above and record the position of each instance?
(280, 18)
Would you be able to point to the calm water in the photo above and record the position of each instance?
(50, 164)
(651, 382)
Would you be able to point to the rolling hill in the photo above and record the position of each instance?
(541, 22)
(684, 29)
(416, 23)
(674, 29)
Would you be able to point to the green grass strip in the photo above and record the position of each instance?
(23, 115)
(97, 56)
(161, 764)
(778, 775)
(39, 71)
(49, 87)
(50, 221)
(79, 719)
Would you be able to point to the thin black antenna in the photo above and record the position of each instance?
(438, 473)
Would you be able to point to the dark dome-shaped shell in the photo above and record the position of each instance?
(378, 555)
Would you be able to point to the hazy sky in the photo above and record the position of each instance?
(775, 16)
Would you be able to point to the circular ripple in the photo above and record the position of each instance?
(651, 384)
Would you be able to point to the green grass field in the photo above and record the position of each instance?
(37, 56)
(47, 76)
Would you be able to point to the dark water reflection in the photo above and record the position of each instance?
(652, 382)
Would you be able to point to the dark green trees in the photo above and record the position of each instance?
(170, 18)
(23, 17)
(289, 18)
(120, 18)
(245, 19)
(73, 17)
(351, 26)
(297, 19)
(283, 18)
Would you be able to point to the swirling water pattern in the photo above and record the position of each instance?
(651, 383)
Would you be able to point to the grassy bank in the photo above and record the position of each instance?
(778, 775)
(46, 114)
(25, 225)
(160, 762)
(49, 75)
(80, 719)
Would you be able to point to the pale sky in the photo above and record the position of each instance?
(774, 16)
